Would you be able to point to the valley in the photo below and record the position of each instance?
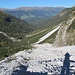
(27, 49)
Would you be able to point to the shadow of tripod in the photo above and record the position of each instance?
(66, 65)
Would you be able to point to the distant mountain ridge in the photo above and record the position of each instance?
(33, 8)
(34, 14)
(37, 8)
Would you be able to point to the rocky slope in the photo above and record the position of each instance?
(66, 33)
(43, 60)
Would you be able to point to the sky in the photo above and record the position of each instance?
(39, 3)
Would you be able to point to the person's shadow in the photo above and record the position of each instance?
(66, 65)
(22, 71)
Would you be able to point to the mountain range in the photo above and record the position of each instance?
(33, 14)
(18, 28)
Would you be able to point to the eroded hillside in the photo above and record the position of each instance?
(66, 33)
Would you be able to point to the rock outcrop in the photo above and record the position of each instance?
(66, 33)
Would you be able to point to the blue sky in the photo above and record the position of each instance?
(40, 3)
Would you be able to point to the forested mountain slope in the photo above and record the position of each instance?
(12, 25)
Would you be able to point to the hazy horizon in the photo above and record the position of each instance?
(34, 7)
(36, 3)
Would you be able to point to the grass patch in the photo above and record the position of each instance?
(72, 26)
(14, 47)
